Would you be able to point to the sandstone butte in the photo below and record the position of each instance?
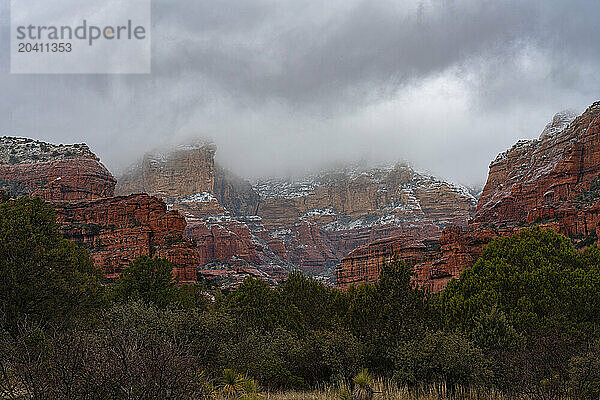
(309, 223)
(115, 230)
(188, 180)
(553, 182)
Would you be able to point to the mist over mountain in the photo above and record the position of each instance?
(289, 86)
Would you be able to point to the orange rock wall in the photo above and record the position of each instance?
(183, 172)
(117, 230)
(553, 182)
(75, 179)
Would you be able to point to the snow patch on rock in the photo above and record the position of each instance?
(203, 197)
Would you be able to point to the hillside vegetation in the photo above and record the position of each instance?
(523, 322)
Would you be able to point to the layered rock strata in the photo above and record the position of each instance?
(54, 173)
(323, 217)
(115, 230)
(553, 182)
(309, 223)
(185, 171)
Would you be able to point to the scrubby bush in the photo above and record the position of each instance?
(151, 280)
(257, 306)
(276, 359)
(132, 352)
(147, 279)
(42, 275)
(584, 373)
(441, 358)
(363, 386)
(531, 302)
(536, 279)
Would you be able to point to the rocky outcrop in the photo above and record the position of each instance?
(16, 150)
(117, 230)
(76, 179)
(224, 241)
(364, 264)
(364, 196)
(537, 178)
(185, 171)
(435, 261)
(234, 193)
(33, 168)
(552, 182)
(323, 217)
(215, 204)
(309, 223)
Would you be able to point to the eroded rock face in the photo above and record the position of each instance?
(321, 218)
(552, 182)
(364, 264)
(215, 205)
(435, 261)
(549, 173)
(78, 179)
(183, 172)
(309, 223)
(118, 230)
(34, 168)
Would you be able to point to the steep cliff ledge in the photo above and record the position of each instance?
(115, 230)
(553, 182)
(52, 172)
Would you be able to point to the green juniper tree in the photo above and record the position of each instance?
(42, 275)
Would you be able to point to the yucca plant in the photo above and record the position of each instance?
(232, 384)
(251, 390)
(363, 386)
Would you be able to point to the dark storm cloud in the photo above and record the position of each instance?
(285, 86)
(322, 54)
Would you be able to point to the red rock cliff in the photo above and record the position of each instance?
(553, 181)
(309, 223)
(33, 168)
(547, 178)
(117, 230)
(185, 171)
(58, 180)
(321, 218)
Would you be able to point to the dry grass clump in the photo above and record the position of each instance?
(388, 391)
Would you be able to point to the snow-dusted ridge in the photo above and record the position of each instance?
(559, 123)
(294, 188)
(17, 150)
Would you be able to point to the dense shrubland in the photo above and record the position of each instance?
(523, 321)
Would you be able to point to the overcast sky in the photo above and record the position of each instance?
(287, 86)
